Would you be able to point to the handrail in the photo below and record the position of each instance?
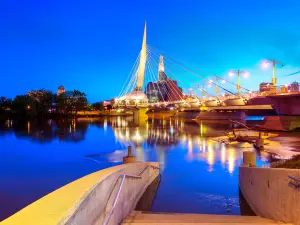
(107, 218)
(294, 178)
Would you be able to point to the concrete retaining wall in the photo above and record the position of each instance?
(270, 194)
(221, 116)
(87, 200)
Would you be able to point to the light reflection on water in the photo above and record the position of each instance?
(198, 174)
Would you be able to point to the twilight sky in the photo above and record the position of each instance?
(91, 45)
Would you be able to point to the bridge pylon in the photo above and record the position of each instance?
(140, 117)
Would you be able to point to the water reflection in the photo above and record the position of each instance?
(46, 131)
(44, 155)
(167, 133)
(155, 134)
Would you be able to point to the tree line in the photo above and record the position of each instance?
(43, 102)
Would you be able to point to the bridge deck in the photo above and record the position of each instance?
(236, 107)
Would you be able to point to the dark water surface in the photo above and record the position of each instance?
(198, 175)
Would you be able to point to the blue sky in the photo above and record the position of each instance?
(91, 45)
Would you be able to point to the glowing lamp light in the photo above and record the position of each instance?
(223, 81)
(231, 73)
(28, 107)
(246, 74)
(210, 81)
(265, 65)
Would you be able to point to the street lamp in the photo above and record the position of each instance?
(210, 82)
(266, 65)
(239, 72)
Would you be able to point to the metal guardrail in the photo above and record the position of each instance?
(294, 179)
(295, 182)
(115, 202)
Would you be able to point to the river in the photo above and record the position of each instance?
(198, 175)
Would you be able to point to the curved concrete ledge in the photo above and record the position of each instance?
(89, 199)
(271, 193)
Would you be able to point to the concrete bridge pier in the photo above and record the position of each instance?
(140, 117)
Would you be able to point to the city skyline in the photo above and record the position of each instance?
(80, 49)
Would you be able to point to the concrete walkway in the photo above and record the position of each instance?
(142, 218)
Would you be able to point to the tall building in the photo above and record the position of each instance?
(61, 90)
(164, 89)
(295, 87)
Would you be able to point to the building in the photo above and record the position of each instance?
(61, 90)
(156, 91)
(265, 87)
(165, 89)
(294, 87)
(175, 92)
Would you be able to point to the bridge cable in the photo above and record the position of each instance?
(130, 74)
(172, 85)
(187, 69)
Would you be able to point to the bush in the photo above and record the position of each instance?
(292, 163)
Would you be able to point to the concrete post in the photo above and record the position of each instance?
(249, 159)
(129, 158)
(259, 141)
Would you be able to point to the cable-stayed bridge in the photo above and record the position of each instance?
(157, 81)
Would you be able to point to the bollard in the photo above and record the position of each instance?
(129, 158)
(249, 159)
(259, 142)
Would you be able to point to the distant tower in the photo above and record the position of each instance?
(142, 64)
(61, 90)
(161, 70)
(161, 67)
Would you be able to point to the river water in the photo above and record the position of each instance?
(198, 175)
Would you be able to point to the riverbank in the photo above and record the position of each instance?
(281, 145)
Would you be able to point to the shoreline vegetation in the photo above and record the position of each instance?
(43, 103)
(292, 163)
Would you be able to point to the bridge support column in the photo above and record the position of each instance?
(140, 117)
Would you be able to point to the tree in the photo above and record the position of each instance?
(79, 101)
(71, 102)
(98, 106)
(61, 103)
(23, 104)
(109, 107)
(43, 100)
(5, 104)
